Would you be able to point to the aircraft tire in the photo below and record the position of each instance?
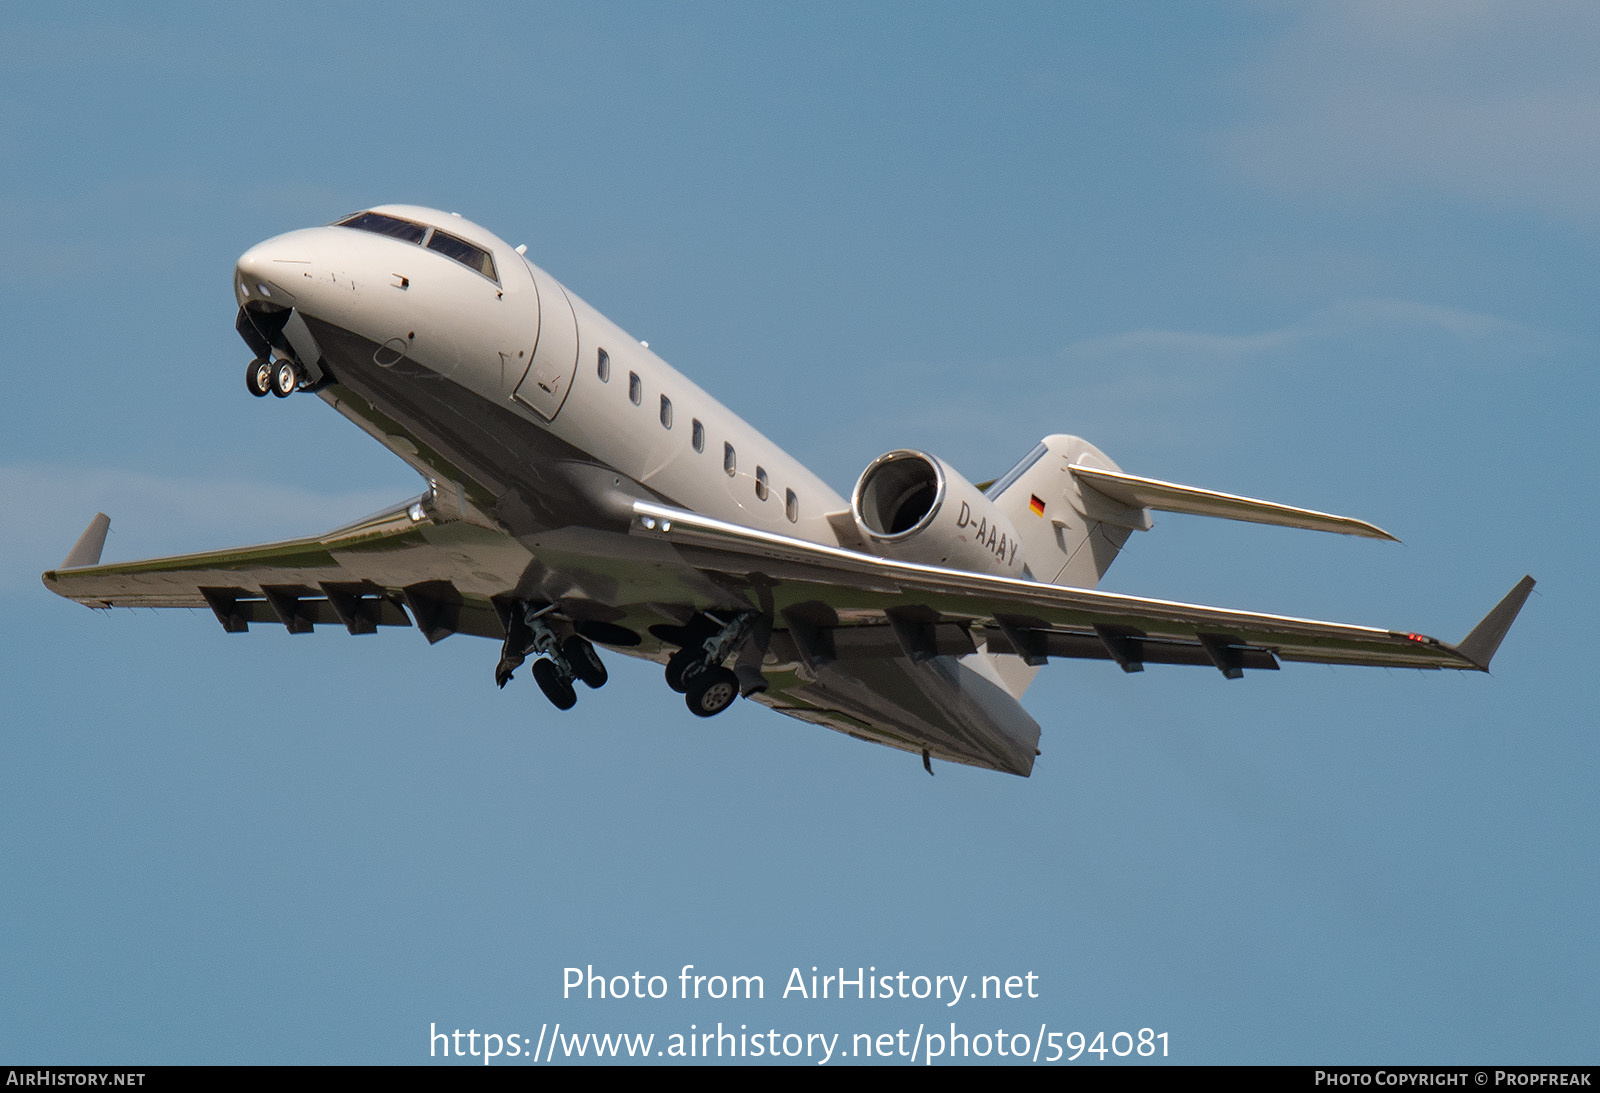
(556, 689)
(680, 664)
(285, 379)
(258, 377)
(711, 692)
(586, 663)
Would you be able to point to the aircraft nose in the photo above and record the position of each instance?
(274, 272)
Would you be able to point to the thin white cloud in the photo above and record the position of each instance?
(1184, 344)
(153, 515)
(1143, 380)
(1494, 102)
(1181, 348)
(1349, 315)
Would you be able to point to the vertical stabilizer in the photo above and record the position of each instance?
(1070, 533)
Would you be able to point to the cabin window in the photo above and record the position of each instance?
(379, 224)
(635, 388)
(697, 436)
(761, 483)
(730, 462)
(453, 246)
(791, 506)
(603, 366)
(666, 412)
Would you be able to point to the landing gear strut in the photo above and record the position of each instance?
(561, 662)
(696, 671)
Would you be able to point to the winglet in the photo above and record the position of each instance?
(86, 551)
(1479, 646)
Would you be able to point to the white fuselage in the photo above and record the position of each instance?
(497, 338)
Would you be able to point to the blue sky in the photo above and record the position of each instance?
(1341, 257)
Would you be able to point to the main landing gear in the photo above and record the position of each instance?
(561, 662)
(711, 691)
(266, 377)
(697, 672)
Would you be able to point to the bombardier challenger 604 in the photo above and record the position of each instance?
(582, 493)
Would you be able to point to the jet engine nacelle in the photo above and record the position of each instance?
(914, 507)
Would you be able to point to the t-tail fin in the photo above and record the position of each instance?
(1070, 532)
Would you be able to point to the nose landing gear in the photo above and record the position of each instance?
(267, 377)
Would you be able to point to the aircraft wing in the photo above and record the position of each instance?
(847, 629)
(364, 575)
(826, 592)
(831, 601)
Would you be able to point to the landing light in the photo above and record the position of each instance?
(264, 290)
(649, 522)
(415, 512)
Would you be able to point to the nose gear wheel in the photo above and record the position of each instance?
(258, 376)
(285, 379)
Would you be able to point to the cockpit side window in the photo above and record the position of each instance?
(380, 224)
(472, 257)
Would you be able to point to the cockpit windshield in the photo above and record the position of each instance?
(380, 224)
(468, 255)
(435, 239)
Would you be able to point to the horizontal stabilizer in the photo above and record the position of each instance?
(1150, 493)
(86, 551)
(1480, 645)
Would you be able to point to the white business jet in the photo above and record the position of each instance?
(582, 492)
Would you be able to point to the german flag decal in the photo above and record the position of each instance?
(1035, 504)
